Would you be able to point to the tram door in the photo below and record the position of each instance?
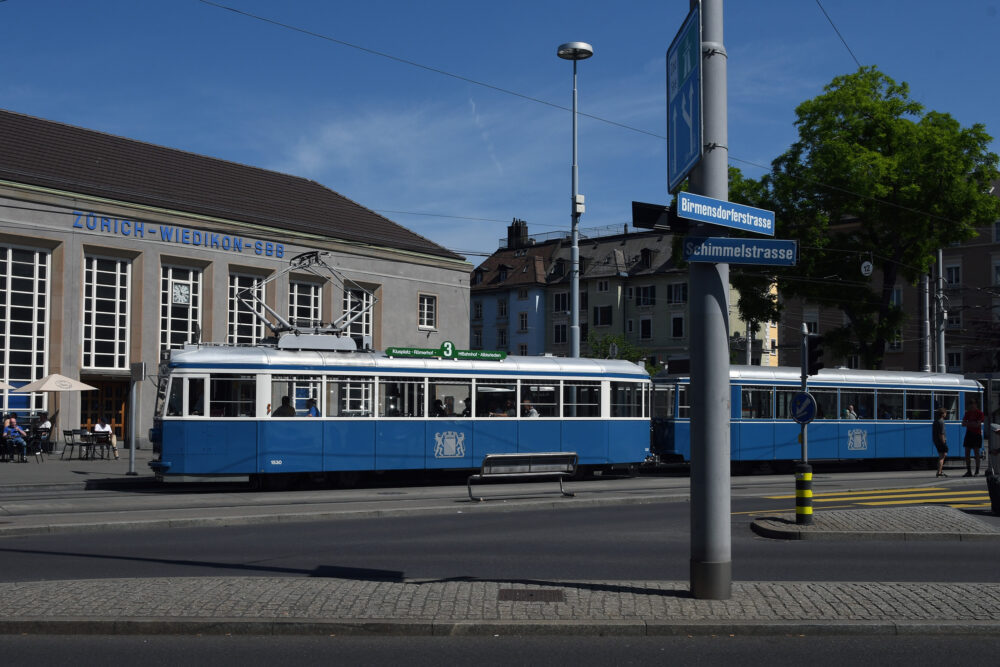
(110, 401)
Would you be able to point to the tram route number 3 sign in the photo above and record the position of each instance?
(446, 351)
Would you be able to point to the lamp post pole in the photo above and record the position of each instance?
(575, 51)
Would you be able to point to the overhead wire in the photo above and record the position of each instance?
(837, 30)
(442, 72)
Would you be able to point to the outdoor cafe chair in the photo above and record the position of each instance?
(101, 442)
(69, 442)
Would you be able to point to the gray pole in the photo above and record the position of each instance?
(711, 540)
(942, 314)
(574, 326)
(133, 417)
(575, 51)
(925, 348)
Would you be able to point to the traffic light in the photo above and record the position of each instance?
(658, 217)
(814, 353)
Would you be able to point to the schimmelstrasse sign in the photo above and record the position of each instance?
(724, 213)
(773, 252)
(142, 231)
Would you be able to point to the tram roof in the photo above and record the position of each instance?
(842, 376)
(207, 357)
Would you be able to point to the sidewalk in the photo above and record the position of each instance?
(349, 603)
(53, 473)
(339, 606)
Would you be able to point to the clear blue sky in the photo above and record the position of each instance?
(446, 157)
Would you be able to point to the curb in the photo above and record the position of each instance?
(568, 628)
(805, 533)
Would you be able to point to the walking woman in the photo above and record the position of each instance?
(940, 440)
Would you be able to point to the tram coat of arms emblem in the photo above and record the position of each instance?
(857, 440)
(450, 445)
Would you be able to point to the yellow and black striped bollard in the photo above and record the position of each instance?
(803, 494)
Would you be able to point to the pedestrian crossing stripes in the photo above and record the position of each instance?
(911, 496)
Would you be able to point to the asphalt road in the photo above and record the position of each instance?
(628, 542)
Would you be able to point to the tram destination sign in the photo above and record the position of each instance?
(446, 351)
(726, 250)
(725, 213)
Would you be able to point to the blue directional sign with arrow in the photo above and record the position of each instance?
(803, 407)
(684, 144)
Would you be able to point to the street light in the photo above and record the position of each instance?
(575, 51)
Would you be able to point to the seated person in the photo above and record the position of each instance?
(285, 409)
(103, 427)
(15, 436)
(313, 411)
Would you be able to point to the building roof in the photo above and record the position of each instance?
(619, 255)
(53, 155)
(524, 267)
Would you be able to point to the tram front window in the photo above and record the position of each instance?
(663, 401)
(175, 400)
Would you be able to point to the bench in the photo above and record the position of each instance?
(539, 464)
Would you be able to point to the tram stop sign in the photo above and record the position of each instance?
(803, 407)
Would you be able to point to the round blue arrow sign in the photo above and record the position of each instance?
(803, 407)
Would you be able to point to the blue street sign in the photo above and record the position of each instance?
(725, 250)
(725, 213)
(803, 407)
(684, 144)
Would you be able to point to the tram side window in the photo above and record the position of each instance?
(451, 398)
(495, 398)
(299, 389)
(663, 401)
(350, 396)
(626, 399)
(581, 399)
(232, 396)
(757, 403)
(783, 401)
(863, 402)
(401, 397)
(918, 405)
(826, 403)
(890, 404)
(543, 397)
(947, 400)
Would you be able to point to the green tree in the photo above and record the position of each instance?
(872, 176)
(600, 348)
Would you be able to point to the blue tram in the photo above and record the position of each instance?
(860, 414)
(220, 411)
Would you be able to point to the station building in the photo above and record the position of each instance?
(113, 251)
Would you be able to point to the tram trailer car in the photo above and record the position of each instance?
(218, 410)
(894, 414)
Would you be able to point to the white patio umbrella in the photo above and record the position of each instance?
(56, 382)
